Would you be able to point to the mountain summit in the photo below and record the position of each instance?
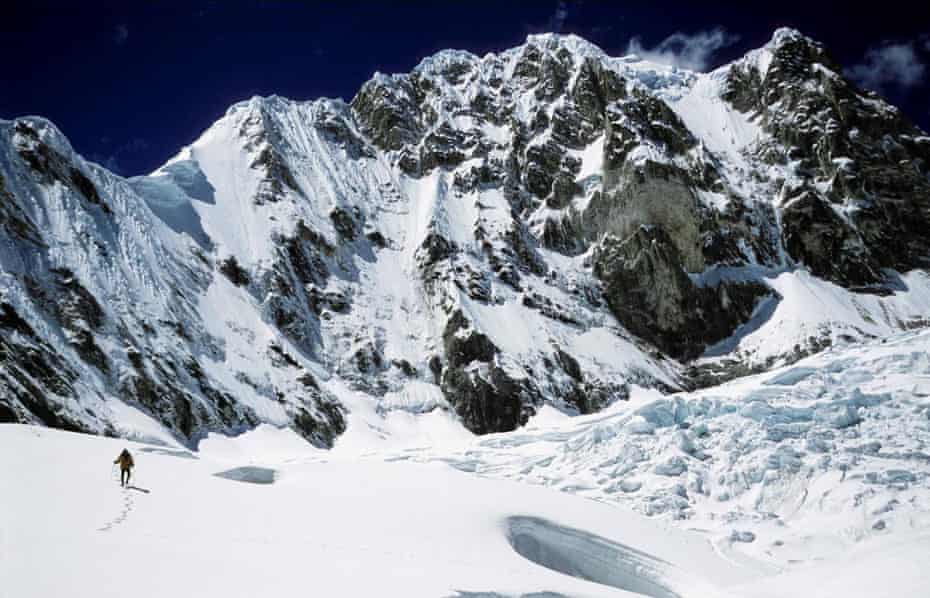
(482, 235)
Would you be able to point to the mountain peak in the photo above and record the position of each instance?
(37, 129)
(574, 43)
(784, 35)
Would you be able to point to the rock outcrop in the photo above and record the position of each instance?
(652, 296)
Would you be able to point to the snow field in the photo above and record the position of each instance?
(346, 527)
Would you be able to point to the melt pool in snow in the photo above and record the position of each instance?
(249, 474)
(169, 452)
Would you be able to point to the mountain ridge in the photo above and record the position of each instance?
(482, 235)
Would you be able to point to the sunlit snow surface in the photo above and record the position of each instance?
(810, 480)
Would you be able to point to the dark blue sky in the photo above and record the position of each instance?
(131, 82)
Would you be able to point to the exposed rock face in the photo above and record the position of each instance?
(75, 309)
(650, 293)
(31, 372)
(50, 166)
(234, 272)
(651, 193)
(389, 112)
(484, 395)
(818, 237)
(543, 225)
(490, 401)
(863, 167)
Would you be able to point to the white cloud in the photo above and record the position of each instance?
(112, 164)
(557, 20)
(682, 50)
(889, 65)
(121, 34)
(113, 161)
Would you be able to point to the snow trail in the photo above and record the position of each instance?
(127, 505)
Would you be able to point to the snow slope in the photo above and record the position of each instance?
(265, 513)
(346, 528)
(811, 309)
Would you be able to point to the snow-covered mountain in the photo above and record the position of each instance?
(482, 236)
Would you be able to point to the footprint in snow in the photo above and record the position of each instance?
(128, 504)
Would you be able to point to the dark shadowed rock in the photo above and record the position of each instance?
(236, 274)
(648, 290)
(823, 241)
(490, 401)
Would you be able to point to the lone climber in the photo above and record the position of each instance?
(125, 466)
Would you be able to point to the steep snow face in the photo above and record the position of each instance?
(723, 130)
(85, 265)
(102, 300)
(481, 237)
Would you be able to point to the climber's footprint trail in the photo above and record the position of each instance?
(128, 502)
